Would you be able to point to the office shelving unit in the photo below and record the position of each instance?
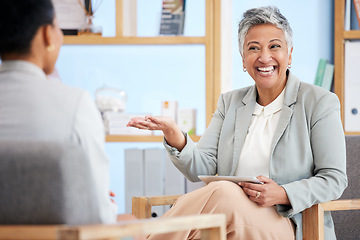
(211, 41)
(340, 35)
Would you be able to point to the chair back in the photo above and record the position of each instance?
(45, 183)
(347, 223)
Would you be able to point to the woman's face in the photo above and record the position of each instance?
(266, 57)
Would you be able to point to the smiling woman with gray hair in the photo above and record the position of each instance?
(284, 131)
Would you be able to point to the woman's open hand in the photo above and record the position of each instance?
(152, 123)
(167, 125)
(267, 194)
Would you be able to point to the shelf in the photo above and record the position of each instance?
(135, 138)
(160, 40)
(353, 34)
(340, 35)
(352, 133)
(216, 45)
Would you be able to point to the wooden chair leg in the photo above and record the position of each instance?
(141, 207)
(313, 223)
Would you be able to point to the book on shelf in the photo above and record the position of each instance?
(328, 76)
(347, 15)
(320, 72)
(172, 17)
(357, 10)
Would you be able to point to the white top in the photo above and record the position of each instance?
(255, 155)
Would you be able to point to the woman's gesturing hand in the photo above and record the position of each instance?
(267, 194)
(167, 125)
(152, 123)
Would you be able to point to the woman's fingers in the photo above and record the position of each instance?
(139, 122)
(152, 123)
(251, 186)
(264, 179)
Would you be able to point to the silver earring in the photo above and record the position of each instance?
(244, 69)
(289, 66)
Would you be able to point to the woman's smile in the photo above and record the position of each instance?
(266, 71)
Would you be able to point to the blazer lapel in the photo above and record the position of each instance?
(291, 92)
(242, 121)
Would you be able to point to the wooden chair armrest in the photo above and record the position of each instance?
(338, 205)
(141, 206)
(212, 227)
(313, 218)
(28, 232)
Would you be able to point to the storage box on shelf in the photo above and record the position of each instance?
(340, 35)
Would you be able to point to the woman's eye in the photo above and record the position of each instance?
(275, 46)
(253, 48)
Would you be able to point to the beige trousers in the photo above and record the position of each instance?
(245, 219)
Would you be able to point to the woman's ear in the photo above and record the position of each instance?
(48, 37)
(290, 56)
(243, 60)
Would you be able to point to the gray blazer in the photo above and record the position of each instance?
(308, 156)
(33, 108)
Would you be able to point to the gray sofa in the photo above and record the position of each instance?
(45, 183)
(347, 223)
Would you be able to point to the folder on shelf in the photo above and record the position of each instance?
(352, 86)
(150, 172)
(134, 176)
(154, 175)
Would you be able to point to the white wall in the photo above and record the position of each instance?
(151, 74)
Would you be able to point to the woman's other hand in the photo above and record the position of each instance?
(167, 125)
(112, 194)
(267, 194)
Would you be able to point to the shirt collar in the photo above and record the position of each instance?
(273, 107)
(22, 66)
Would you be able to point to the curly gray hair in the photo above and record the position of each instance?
(263, 15)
